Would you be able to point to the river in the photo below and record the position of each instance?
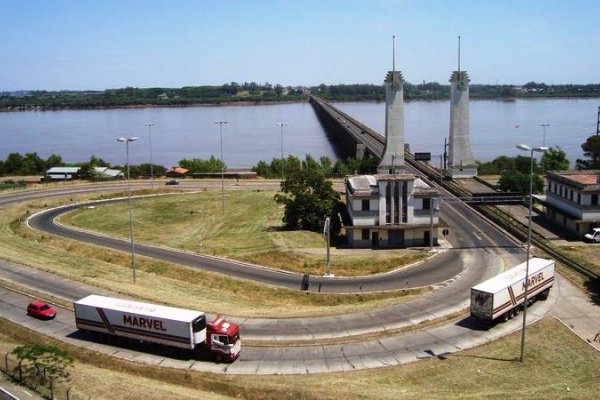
(251, 133)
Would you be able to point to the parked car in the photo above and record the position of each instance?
(593, 236)
(41, 310)
(172, 182)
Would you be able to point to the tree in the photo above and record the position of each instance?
(196, 165)
(518, 182)
(44, 362)
(54, 160)
(591, 150)
(32, 164)
(13, 163)
(555, 159)
(308, 199)
(98, 162)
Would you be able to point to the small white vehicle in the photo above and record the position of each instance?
(593, 236)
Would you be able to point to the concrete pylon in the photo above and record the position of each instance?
(392, 161)
(460, 159)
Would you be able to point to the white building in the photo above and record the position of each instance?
(68, 173)
(391, 211)
(572, 200)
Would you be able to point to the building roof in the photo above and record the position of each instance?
(177, 170)
(362, 184)
(587, 179)
(113, 173)
(62, 170)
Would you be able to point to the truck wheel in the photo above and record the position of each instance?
(219, 358)
(544, 295)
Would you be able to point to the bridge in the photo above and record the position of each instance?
(350, 135)
(352, 138)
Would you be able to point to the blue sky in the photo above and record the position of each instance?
(55, 45)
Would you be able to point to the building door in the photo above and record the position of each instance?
(396, 238)
(375, 239)
(426, 237)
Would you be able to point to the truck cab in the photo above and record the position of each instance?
(223, 339)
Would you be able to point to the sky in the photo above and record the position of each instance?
(103, 44)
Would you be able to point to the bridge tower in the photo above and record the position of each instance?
(460, 159)
(392, 161)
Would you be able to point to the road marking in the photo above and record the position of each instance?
(477, 236)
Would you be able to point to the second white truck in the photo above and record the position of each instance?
(502, 297)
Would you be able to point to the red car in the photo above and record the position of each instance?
(41, 310)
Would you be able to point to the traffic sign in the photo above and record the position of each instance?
(423, 156)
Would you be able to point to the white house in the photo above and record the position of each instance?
(391, 211)
(572, 200)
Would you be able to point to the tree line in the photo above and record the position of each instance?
(554, 159)
(267, 92)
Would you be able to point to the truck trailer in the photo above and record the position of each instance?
(177, 327)
(502, 297)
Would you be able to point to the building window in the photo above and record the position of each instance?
(404, 201)
(595, 199)
(578, 198)
(426, 203)
(388, 202)
(365, 205)
(365, 234)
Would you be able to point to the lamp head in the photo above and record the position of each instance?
(523, 147)
(131, 139)
(541, 149)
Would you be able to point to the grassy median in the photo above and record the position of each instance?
(557, 365)
(182, 286)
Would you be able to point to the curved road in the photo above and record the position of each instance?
(479, 249)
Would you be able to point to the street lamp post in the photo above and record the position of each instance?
(544, 126)
(150, 125)
(126, 141)
(327, 235)
(541, 149)
(281, 125)
(222, 166)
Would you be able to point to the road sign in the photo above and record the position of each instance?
(423, 156)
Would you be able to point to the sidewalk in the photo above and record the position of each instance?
(577, 312)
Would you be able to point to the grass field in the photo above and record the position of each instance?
(250, 231)
(558, 365)
(168, 283)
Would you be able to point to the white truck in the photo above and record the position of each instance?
(178, 327)
(502, 297)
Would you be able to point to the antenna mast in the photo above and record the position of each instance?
(394, 53)
(459, 54)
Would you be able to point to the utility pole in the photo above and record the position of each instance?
(150, 125)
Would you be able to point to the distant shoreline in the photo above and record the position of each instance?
(264, 103)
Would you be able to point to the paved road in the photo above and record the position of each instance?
(393, 350)
(482, 251)
(438, 269)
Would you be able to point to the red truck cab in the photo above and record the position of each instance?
(223, 339)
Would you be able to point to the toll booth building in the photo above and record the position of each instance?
(390, 211)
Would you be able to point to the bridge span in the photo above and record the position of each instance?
(351, 137)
